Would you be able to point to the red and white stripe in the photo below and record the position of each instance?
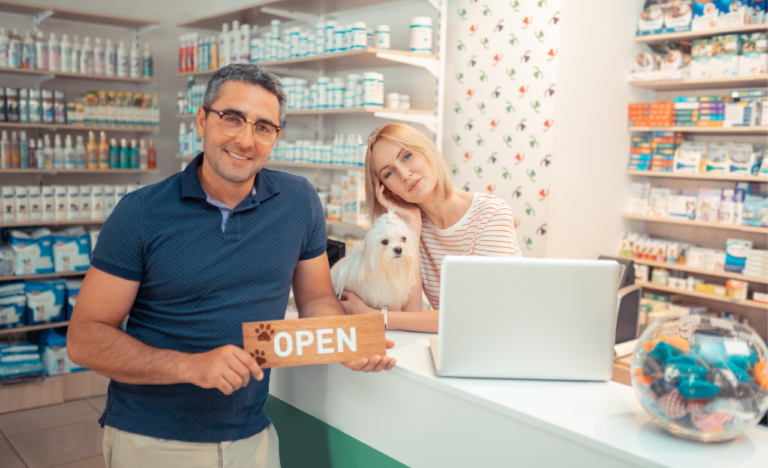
(487, 229)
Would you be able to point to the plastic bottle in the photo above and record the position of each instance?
(203, 54)
(47, 153)
(245, 44)
(122, 60)
(5, 150)
(146, 62)
(124, 154)
(4, 46)
(110, 59)
(15, 50)
(143, 155)
(66, 54)
(133, 155)
(234, 42)
(69, 153)
(86, 57)
(54, 53)
(181, 104)
(15, 156)
(151, 156)
(29, 52)
(103, 152)
(224, 45)
(214, 50)
(31, 155)
(182, 139)
(58, 153)
(92, 149)
(40, 154)
(98, 58)
(135, 61)
(23, 150)
(114, 154)
(80, 154)
(77, 50)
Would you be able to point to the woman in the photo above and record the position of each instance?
(404, 169)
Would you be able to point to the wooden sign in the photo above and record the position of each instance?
(286, 343)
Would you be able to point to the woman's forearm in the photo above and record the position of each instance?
(422, 322)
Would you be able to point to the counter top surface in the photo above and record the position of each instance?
(605, 416)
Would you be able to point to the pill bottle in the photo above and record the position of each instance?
(420, 38)
(381, 37)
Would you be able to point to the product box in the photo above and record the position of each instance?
(53, 349)
(109, 200)
(683, 205)
(736, 290)
(701, 58)
(12, 311)
(708, 205)
(733, 13)
(9, 204)
(33, 252)
(755, 212)
(73, 290)
(736, 252)
(714, 289)
(753, 59)
(94, 235)
(690, 157)
(743, 159)
(60, 200)
(71, 250)
(22, 204)
(658, 202)
(705, 14)
(48, 203)
(760, 297)
(727, 211)
(651, 20)
(7, 257)
(45, 301)
(718, 160)
(73, 202)
(97, 202)
(120, 191)
(741, 114)
(18, 359)
(85, 201)
(725, 52)
(638, 198)
(35, 203)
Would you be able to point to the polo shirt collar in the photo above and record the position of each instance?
(265, 185)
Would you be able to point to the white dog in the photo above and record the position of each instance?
(384, 273)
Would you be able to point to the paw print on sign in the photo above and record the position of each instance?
(265, 332)
(259, 357)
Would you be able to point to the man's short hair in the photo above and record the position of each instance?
(249, 74)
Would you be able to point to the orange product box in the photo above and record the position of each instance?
(640, 150)
(710, 124)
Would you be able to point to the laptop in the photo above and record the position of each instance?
(519, 318)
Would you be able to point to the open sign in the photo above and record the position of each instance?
(286, 343)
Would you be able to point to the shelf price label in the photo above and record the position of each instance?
(323, 340)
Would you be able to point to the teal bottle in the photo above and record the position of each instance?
(134, 155)
(114, 154)
(124, 154)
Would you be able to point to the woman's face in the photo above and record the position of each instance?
(405, 174)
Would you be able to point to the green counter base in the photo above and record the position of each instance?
(307, 441)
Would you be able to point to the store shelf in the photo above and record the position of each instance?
(332, 167)
(690, 35)
(712, 297)
(5, 279)
(677, 175)
(6, 331)
(65, 127)
(52, 223)
(702, 271)
(686, 222)
(763, 130)
(79, 16)
(704, 83)
(79, 171)
(351, 59)
(252, 14)
(185, 116)
(184, 156)
(60, 74)
(361, 110)
(345, 225)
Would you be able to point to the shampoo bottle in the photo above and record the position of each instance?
(122, 60)
(111, 59)
(103, 152)
(80, 153)
(146, 62)
(5, 150)
(15, 156)
(69, 153)
(92, 149)
(86, 57)
(4, 46)
(114, 154)
(66, 54)
(143, 155)
(151, 156)
(23, 151)
(124, 154)
(54, 53)
(29, 53)
(15, 50)
(98, 57)
(41, 51)
(77, 50)
(58, 153)
(224, 45)
(135, 61)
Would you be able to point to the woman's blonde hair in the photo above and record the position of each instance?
(414, 141)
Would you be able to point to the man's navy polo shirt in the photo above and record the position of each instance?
(198, 286)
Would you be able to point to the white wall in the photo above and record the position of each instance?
(588, 182)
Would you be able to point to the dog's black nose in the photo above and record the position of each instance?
(398, 250)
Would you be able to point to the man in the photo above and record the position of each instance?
(192, 258)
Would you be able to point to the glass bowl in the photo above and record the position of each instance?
(701, 378)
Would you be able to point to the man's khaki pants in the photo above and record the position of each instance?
(127, 450)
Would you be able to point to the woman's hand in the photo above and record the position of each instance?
(410, 213)
(353, 305)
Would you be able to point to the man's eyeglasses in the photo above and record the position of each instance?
(232, 125)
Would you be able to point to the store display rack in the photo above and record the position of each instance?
(712, 297)
(41, 13)
(688, 222)
(82, 76)
(678, 175)
(762, 130)
(704, 83)
(702, 271)
(65, 127)
(4, 279)
(8, 331)
(690, 35)
(79, 171)
(299, 165)
(67, 222)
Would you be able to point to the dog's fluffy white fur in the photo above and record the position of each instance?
(384, 273)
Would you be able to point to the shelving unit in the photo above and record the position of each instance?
(714, 130)
(65, 127)
(330, 167)
(44, 12)
(80, 76)
(711, 297)
(677, 175)
(690, 35)
(704, 83)
(7, 331)
(701, 271)
(688, 222)
(6, 279)
(68, 222)
(79, 171)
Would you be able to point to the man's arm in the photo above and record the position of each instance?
(314, 297)
(95, 342)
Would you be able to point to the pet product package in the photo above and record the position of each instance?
(97, 202)
(658, 202)
(678, 16)
(22, 206)
(60, 201)
(651, 20)
(71, 250)
(683, 205)
(120, 192)
(73, 290)
(638, 198)
(755, 211)
(85, 202)
(94, 236)
(48, 203)
(753, 59)
(727, 212)
(33, 252)
(73, 202)
(53, 348)
(742, 157)
(725, 50)
(9, 204)
(736, 252)
(690, 157)
(706, 14)
(109, 200)
(12, 311)
(701, 58)
(718, 159)
(733, 13)
(35, 203)
(708, 205)
(45, 301)
(6, 260)
(17, 359)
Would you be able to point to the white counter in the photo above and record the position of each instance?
(422, 420)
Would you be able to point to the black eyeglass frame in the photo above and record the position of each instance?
(222, 114)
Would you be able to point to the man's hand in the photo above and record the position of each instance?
(228, 368)
(375, 364)
(353, 305)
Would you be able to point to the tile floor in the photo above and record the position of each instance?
(61, 436)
